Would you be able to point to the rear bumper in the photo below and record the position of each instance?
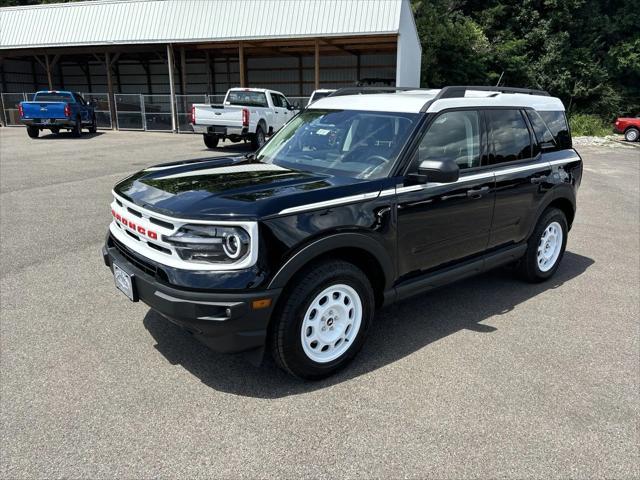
(224, 321)
(46, 123)
(221, 130)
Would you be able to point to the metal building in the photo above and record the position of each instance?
(146, 61)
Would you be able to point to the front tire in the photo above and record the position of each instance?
(546, 247)
(322, 321)
(33, 132)
(94, 126)
(632, 135)
(211, 141)
(77, 129)
(258, 139)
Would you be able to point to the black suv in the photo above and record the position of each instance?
(363, 199)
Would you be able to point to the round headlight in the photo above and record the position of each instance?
(232, 245)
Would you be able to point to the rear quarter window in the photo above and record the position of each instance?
(557, 124)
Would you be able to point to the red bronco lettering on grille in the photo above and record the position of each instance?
(133, 226)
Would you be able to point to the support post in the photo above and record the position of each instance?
(36, 86)
(49, 79)
(243, 73)
(358, 68)
(300, 77)
(172, 89)
(317, 65)
(110, 95)
(183, 71)
(211, 74)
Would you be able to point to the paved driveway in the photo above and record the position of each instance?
(489, 377)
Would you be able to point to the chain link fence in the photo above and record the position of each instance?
(132, 111)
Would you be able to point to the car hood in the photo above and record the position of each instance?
(232, 187)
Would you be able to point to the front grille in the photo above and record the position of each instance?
(146, 267)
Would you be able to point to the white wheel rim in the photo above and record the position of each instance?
(331, 323)
(549, 246)
(632, 135)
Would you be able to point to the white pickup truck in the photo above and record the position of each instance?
(246, 114)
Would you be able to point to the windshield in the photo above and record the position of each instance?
(53, 97)
(356, 144)
(318, 95)
(247, 99)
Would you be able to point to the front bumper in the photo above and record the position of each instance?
(224, 321)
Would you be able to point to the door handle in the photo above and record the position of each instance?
(538, 180)
(477, 192)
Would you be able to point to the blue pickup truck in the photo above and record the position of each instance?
(56, 110)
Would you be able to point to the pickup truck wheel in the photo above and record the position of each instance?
(211, 141)
(321, 323)
(258, 139)
(77, 129)
(632, 135)
(94, 126)
(33, 132)
(545, 247)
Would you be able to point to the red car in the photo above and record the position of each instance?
(629, 126)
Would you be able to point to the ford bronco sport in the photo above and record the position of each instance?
(365, 198)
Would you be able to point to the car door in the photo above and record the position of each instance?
(288, 112)
(443, 223)
(278, 109)
(82, 107)
(521, 175)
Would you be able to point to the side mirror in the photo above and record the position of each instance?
(439, 171)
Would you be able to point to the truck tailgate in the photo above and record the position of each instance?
(218, 115)
(43, 110)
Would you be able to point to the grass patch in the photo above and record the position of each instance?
(589, 125)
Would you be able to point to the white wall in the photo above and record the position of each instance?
(409, 50)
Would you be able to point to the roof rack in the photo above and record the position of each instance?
(460, 91)
(371, 90)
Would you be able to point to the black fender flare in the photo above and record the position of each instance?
(334, 242)
(560, 192)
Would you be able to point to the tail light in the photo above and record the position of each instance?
(193, 114)
(20, 110)
(67, 110)
(245, 117)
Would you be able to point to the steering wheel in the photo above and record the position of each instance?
(381, 161)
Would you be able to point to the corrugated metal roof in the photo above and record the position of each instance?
(175, 21)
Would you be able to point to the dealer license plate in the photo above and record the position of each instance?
(124, 282)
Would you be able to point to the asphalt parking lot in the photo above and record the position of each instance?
(488, 378)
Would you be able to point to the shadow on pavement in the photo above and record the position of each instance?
(68, 136)
(397, 331)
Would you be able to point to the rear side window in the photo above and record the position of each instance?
(557, 125)
(510, 136)
(53, 97)
(453, 136)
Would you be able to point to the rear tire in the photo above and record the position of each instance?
(632, 135)
(258, 139)
(322, 321)
(33, 132)
(211, 141)
(77, 129)
(546, 247)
